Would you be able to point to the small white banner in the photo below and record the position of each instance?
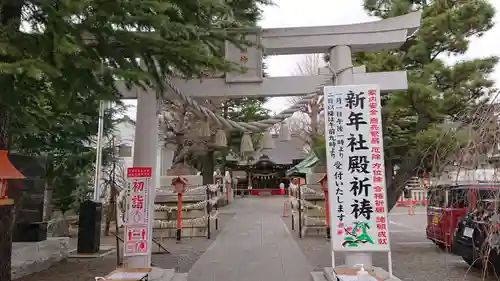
(137, 236)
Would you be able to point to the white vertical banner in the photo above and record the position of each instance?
(355, 159)
(137, 212)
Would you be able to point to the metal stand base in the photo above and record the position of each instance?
(353, 259)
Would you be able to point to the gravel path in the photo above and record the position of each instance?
(183, 256)
(414, 257)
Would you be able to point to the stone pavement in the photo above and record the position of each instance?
(255, 246)
(414, 258)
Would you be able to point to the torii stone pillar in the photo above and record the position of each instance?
(145, 155)
(341, 62)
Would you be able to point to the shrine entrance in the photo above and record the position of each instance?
(262, 177)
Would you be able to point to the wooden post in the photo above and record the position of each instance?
(6, 225)
(209, 210)
(216, 210)
(179, 187)
(216, 219)
(179, 216)
(324, 186)
(300, 211)
(118, 256)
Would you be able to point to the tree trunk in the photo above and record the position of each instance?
(10, 20)
(179, 136)
(395, 183)
(208, 167)
(7, 227)
(314, 119)
(225, 152)
(110, 212)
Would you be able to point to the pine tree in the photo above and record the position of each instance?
(73, 50)
(437, 92)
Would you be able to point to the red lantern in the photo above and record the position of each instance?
(179, 184)
(7, 172)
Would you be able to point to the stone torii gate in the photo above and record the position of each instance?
(340, 41)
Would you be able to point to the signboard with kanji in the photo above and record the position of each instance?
(137, 215)
(249, 58)
(355, 158)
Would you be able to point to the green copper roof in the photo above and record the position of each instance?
(304, 166)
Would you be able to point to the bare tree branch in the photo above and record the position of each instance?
(309, 123)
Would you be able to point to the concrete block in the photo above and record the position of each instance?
(312, 197)
(380, 273)
(185, 232)
(160, 274)
(180, 277)
(316, 213)
(187, 214)
(329, 274)
(317, 276)
(314, 221)
(314, 231)
(31, 257)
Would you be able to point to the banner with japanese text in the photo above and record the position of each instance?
(137, 213)
(355, 159)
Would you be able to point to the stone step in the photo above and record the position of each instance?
(160, 274)
(180, 277)
(313, 231)
(318, 276)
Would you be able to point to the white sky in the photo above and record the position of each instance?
(292, 13)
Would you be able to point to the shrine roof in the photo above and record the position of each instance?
(285, 151)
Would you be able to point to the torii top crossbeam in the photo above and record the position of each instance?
(362, 37)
